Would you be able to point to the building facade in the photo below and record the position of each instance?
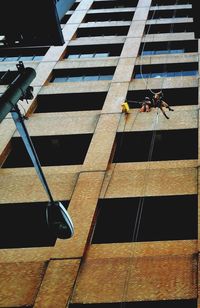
(129, 181)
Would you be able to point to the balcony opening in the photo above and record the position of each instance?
(169, 145)
(158, 220)
(24, 225)
(102, 31)
(70, 102)
(175, 96)
(93, 51)
(179, 303)
(51, 151)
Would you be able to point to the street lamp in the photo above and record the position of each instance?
(57, 216)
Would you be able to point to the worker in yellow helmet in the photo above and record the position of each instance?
(125, 107)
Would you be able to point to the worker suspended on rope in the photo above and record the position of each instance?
(157, 101)
(146, 105)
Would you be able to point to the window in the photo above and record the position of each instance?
(169, 47)
(24, 225)
(158, 219)
(113, 4)
(172, 13)
(89, 55)
(7, 77)
(22, 54)
(169, 145)
(78, 75)
(175, 96)
(102, 31)
(168, 70)
(93, 51)
(168, 28)
(183, 303)
(114, 16)
(170, 2)
(62, 150)
(70, 102)
(65, 18)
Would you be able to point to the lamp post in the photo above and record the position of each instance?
(57, 216)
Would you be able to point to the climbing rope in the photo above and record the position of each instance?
(139, 212)
(144, 43)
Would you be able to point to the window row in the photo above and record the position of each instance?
(102, 50)
(130, 147)
(31, 228)
(106, 73)
(95, 100)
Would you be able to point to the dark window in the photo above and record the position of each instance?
(175, 97)
(65, 18)
(168, 145)
(7, 77)
(114, 4)
(74, 6)
(70, 102)
(22, 54)
(24, 225)
(117, 219)
(169, 47)
(168, 28)
(93, 51)
(114, 16)
(165, 70)
(51, 150)
(173, 13)
(170, 2)
(102, 31)
(183, 303)
(77, 75)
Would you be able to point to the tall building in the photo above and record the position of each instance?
(129, 181)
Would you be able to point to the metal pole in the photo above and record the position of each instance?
(19, 122)
(15, 91)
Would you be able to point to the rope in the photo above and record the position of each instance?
(139, 212)
(141, 64)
